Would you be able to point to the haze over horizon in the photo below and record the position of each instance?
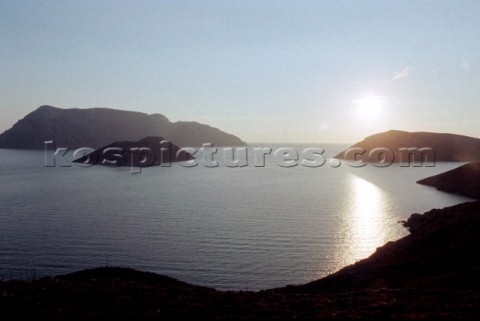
(273, 71)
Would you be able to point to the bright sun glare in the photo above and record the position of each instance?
(370, 107)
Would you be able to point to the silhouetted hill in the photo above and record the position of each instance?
(95, 127)
(464, 180)
(149, 151)
(446, 147)
(433, 273)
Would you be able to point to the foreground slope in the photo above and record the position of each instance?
(96, 127)
(430, 274)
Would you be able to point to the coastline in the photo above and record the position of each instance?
(431, 273)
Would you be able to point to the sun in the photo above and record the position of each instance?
(370, 107)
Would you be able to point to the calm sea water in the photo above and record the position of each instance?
(228, 228)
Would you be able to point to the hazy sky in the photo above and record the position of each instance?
(267, 71)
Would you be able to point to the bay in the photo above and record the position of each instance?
(231, 228)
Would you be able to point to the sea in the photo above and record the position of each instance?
(264, 222)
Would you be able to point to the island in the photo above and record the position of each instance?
(95, 127)
(149, 151)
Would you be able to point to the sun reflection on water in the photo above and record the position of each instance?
(366, 226)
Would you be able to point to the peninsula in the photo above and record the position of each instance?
(400, 146)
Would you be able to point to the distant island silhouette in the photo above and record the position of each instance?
(463, 180)
(96, 127)
(149, 151)
(399, 144)
(432, 273)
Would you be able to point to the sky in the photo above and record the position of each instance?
(266, 71)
